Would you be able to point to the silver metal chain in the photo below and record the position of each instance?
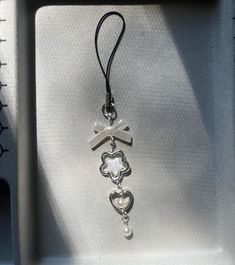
(120, 189)
(125, 218)
(112, 144)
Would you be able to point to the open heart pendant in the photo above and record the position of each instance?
(122, 201)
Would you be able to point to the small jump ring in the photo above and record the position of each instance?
(109, 115)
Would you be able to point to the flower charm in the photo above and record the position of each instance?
(114, 166)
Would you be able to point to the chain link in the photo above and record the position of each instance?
(110, 115)
(120, 189)
(125, 218)
(112, 144)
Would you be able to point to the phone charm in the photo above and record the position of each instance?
(114, 163)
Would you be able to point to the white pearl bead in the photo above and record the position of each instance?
(121, 203)
(127, 231)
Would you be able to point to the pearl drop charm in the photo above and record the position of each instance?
(127, 231)
(121, 203)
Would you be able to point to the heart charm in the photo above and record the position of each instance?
(122, 202)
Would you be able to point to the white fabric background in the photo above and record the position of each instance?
(161, 81)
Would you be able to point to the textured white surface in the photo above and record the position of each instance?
(165, 85)
(114, 166)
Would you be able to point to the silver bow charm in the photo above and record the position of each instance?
(103, 133)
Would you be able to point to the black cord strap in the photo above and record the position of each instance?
(108, 108)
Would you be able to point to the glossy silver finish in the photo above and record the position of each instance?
(126, 171)
(125, 194)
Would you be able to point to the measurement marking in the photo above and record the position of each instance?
(3, 20)
(2, 105)
(2, 150)
(2, 128)
(2, 64)
(3, 40)
(2, 85)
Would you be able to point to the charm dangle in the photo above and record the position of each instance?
(104, 133)
(114, 163)
(121, 201)
(115, 166)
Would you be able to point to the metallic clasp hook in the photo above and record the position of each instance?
(109, 112)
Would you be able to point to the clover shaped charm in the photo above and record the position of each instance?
(115, 166)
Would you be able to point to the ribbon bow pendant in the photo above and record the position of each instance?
(118, 132)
